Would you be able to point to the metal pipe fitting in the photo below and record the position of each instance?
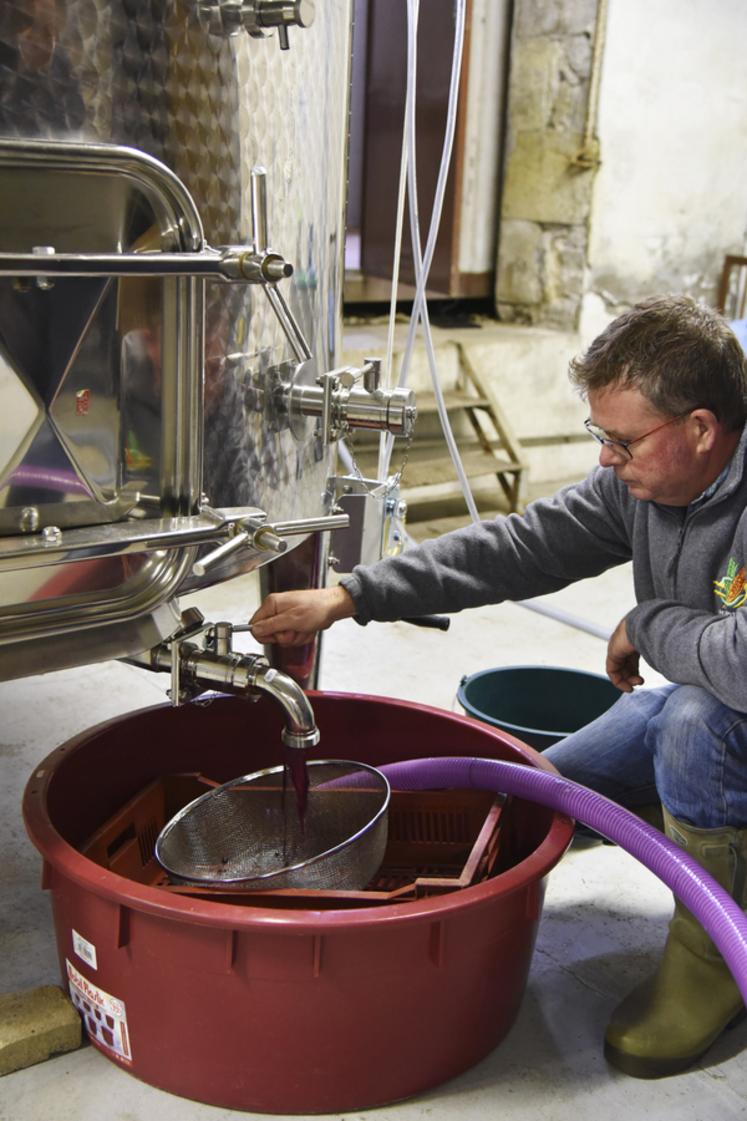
(342, 407)
(202, 669)
(300, 729)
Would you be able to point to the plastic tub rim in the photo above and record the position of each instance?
(517, 729)
(60, 855)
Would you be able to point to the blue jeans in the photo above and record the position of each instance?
(677, 744)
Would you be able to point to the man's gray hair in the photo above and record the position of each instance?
(678, 353)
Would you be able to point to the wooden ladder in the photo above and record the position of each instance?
(487, 444)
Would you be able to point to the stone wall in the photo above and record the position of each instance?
(626, 151)
(550, 163)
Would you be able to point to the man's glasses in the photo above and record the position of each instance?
(622, 447)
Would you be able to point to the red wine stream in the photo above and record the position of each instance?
(295, 766)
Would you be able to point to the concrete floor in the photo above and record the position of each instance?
(604, 917)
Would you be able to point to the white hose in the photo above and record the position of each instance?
(413, 14)
(422, 261)
(389, 359)
(420, 305)
(422, 264)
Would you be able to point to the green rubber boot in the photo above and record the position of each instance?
(652, 815)
(669, 1021)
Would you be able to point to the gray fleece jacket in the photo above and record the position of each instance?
(689, 568)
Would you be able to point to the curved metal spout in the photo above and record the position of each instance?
(300, 729)
(200, 670)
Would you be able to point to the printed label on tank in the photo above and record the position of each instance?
(103, 1015)
(85, 950)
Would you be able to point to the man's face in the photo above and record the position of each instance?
(662, 467)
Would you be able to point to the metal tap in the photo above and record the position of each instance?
(300, 727)
(342, 403)
(229, 17)
(196, 669)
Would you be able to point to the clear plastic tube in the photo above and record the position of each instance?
(397, 256)
(408, 158)
(422, 261)
(422, 264)
(713, 907)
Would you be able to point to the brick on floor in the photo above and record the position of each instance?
(34, 1025)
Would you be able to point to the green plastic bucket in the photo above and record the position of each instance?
(538, 704)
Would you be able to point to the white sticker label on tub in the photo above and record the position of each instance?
(85, 950)
(104, 1015)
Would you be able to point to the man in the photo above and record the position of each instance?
(666, 385)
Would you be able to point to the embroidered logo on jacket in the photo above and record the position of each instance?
(732, 588)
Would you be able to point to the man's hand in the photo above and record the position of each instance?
(622, 660)
(294, 618)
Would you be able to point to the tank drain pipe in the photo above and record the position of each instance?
(713, 907)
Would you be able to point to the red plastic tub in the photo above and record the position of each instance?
(272, 1010)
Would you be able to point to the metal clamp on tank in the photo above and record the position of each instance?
(377, 521)
(214, 665)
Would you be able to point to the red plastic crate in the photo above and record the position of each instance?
(438, 841)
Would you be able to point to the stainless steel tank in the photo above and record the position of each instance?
(172, 189)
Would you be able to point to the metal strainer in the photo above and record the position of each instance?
(248, 833)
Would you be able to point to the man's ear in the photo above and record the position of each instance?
(705, 428)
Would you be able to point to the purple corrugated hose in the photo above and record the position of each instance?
(700, 893)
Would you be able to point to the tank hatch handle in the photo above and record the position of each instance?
(259, 536)
(262, 251)
(232, 527)
(237, 264)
